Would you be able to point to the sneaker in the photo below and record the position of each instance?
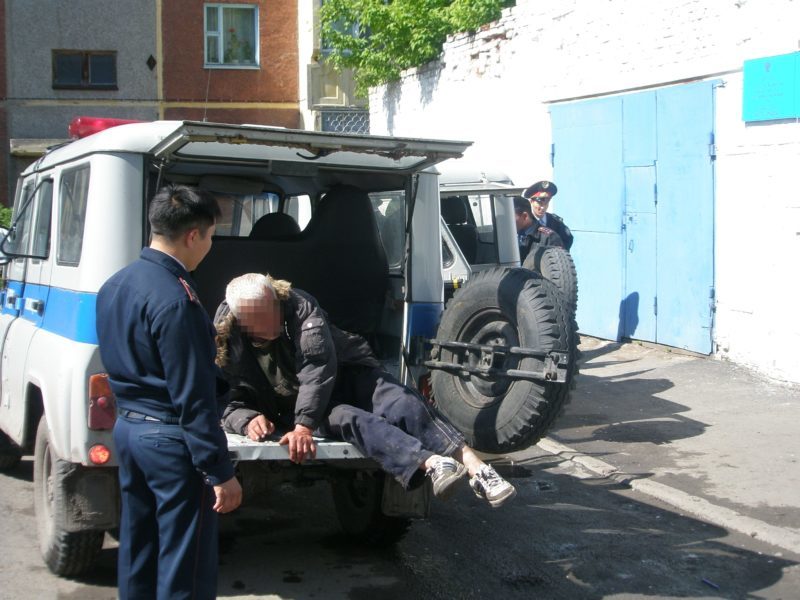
(444, 473)
(488, 485)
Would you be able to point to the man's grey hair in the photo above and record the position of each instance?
(254, 286)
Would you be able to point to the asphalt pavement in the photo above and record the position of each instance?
(710, 438)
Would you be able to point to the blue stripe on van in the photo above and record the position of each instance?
(67, 313)
(16, 287)
(423, 319)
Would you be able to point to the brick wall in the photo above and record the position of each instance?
(275, 83)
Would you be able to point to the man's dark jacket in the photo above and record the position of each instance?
(293, 374)
(557, 224)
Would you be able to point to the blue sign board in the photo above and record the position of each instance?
(772, 88)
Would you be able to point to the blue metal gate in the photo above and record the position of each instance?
(635, 179)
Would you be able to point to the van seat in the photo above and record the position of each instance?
(274, 225)
(339, 259)
(455, 212)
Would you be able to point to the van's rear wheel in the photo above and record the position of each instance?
(65, 552)
(504, 307)
(10, 453)
(358, 497)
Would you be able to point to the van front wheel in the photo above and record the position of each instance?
(65, 552)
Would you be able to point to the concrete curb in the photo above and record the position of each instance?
(788, 539)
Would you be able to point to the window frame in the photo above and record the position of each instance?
(219, 35)
(86, 72)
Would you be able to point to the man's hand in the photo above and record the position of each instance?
(259, 428)
(301, 444)
(229, 496)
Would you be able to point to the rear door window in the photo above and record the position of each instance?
(73, 194)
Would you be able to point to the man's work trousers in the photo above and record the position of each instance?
(388, 422)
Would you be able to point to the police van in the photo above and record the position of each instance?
(354, 220)
(477, 235)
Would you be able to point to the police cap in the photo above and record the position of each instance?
(540, 189)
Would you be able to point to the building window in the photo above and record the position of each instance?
(85, 69)
(231, 35)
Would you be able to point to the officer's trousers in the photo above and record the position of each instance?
(388, 422)
(168, 531)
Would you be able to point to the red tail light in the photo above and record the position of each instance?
(102, 407)
(425, 387)
(99, 454)
(80, 127)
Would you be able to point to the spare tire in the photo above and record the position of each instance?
(505, 307)
(555, 264)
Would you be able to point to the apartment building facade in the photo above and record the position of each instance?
(141, 59)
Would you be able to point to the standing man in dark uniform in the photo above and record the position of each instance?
(539, 195)
(157, 344)
(526, 226)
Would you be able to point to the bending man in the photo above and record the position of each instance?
(290, 368)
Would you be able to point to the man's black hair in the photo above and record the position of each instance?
(176, 209)
(522, 205)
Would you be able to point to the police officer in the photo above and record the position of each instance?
(539, 195)
(292, 370)
(157, 344)
(526, 226)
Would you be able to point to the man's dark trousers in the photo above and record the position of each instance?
(154, 463)
(388, 422)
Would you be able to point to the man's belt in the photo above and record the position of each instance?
(132, 414)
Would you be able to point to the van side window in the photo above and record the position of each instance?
(41, 233)
(240, 212)
(390, 216)
(73, 193)
(19, 237)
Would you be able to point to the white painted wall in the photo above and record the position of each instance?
(305, 41)
(494, 88)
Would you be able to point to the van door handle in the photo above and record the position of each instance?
(37, 306)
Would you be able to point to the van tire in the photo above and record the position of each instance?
(10, 453)
(66, 553)
(358, 497)
(511, 307)
(555, 264)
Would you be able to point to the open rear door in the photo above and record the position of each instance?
(194, 140)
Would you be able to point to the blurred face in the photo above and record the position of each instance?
(539, 206)
(261, 319)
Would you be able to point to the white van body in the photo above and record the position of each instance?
(80, 216)
(378, 256)
(489, 194)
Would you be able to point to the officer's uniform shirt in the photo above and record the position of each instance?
(157, 345)
(525, 239)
